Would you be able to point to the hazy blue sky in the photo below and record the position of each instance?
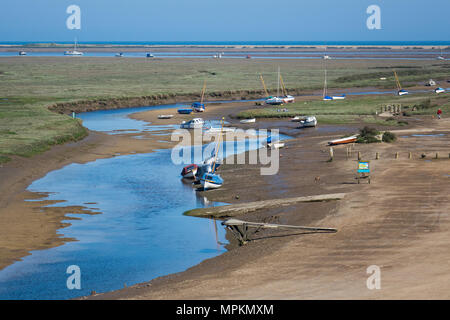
(227, 20)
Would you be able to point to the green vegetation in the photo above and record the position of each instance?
(389, 137)
(30, 84)
(368, 135)
(353, 109)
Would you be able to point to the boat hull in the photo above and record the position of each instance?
(343, 141)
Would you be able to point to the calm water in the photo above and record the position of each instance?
(141, 233)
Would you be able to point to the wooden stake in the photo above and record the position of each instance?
(410, 155)
(396, 155)
(359, 155)
(377, 156)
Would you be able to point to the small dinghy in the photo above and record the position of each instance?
(185, 111)
(22, 53)
(345, 140)
(119, 55)
(297, 119)
(273, 144)
(192, 124)
(309, 122)
(253, 120)
(165, 116)
(341, 97)
(439, 90)
(402, 92)
(189, 171)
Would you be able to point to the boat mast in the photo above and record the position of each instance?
(264, 85)
(399, 87)
(325, 85)
(283, 86)
(203, 91)
(218, 147)
(278, 84)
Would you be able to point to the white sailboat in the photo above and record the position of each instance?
(441, 57)
(74, 52)
(400, 91)
(277, 100)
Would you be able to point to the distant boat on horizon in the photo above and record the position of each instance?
(74, 52)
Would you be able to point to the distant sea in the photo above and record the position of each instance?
(242, 43)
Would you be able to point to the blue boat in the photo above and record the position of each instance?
(185, 111)
(211, 181)
(198, 106)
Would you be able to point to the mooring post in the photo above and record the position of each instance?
(437, 155)
(410, 155)
(377, 156)
(331, 154)
(359, 155)
(396, 155)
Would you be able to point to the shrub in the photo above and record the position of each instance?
(368, 135)
(389, 137)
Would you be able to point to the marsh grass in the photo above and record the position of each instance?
(28, 85)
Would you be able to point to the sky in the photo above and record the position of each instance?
(226, 20)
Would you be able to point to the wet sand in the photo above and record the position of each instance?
(399, 222)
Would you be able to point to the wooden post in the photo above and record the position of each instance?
(410, 155)
(437, 155)
(359, 155)
(396, 155)
(331, 153)
(347, 153)
(377, 156)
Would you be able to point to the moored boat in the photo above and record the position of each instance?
(185, 111)
(189, 171)
(309, 122)
(192, 124)
(341, 97)
(22, 53)
(345, 140)
(198, 107)
(274, 101)
(400, 90)
(439, 90)
(119, 55)
(253, 120)
(74, 52)
(211, 181)
(165, 116)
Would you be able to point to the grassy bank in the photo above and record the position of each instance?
(355, 109)
(30, 84)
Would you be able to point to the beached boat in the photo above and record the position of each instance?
(215, 130)
(198, 107)
(345, 140)
(149, 55)
(274, 101)
(211, 180)
(325, 96)
(400, 91)
(119, 55)
(165, 116)
(253, 120)
(341, 97)
(297, 118)
(325, 57)
(185, 111)
(192, 124)
(286, 97)
(275, 145)
(189, 171)
(22, 53)
(74, 52)
(309, 122)
(439, 90)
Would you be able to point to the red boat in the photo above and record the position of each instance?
(351, 139)
(189, 171)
